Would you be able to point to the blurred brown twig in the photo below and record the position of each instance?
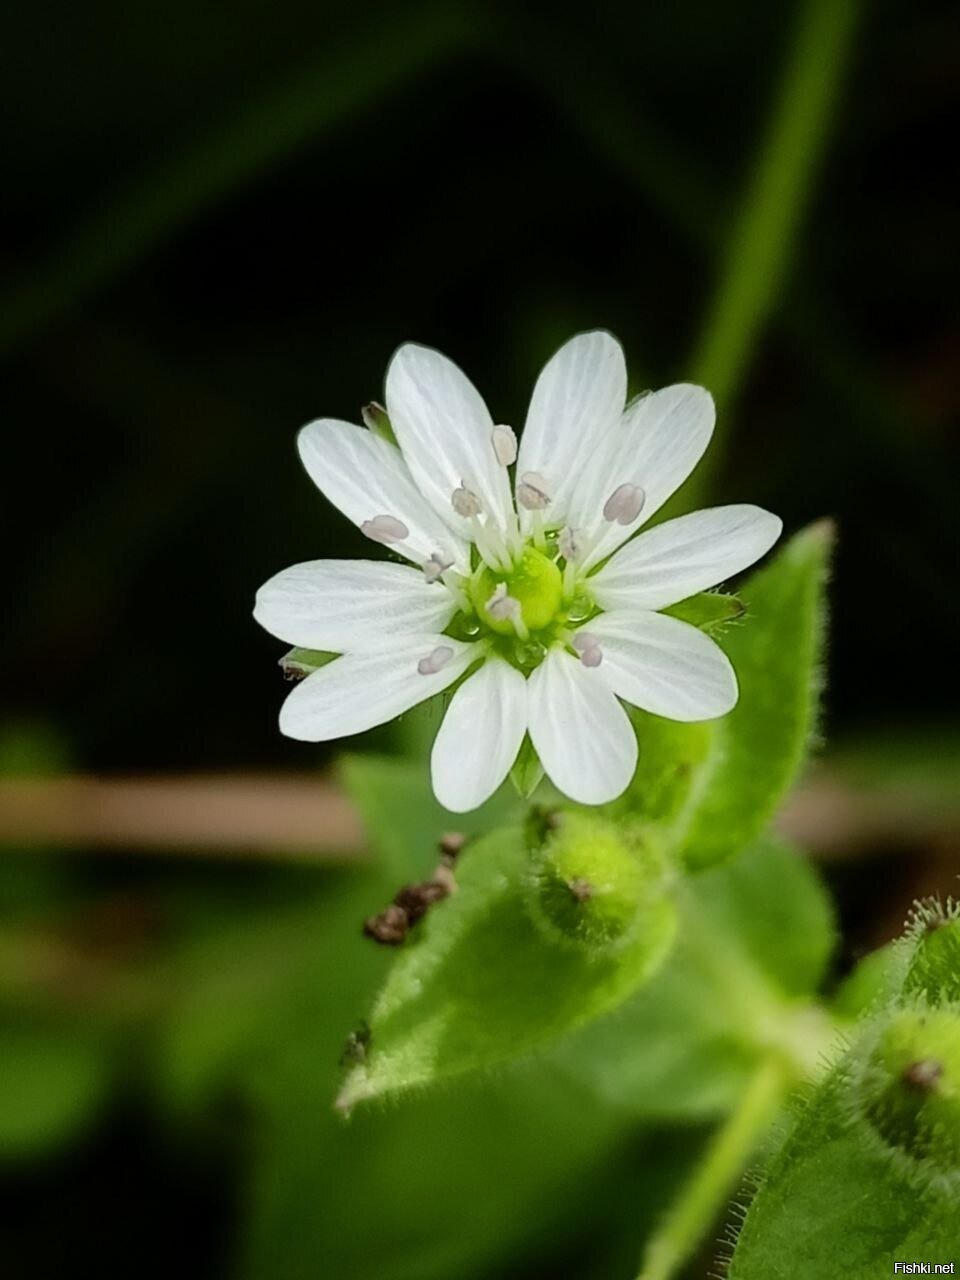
(304, 817)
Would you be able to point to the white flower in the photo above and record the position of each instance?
(522, 585)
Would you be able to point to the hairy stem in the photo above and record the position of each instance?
(717, 1175)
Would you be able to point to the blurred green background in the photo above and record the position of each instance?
(218, 223)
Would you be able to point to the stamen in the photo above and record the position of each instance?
(504, 607)
(500, 605)
(588, 647)
(624, 504)
(465, 502)
(435, 567)
(532, 491)
(385, 529)
(435, 661)
(505, 445)
(567, 543)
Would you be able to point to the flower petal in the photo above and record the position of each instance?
(576, 403)
(365, 476)
(664, 665)
(480, 736)
(446, 434)
(338, 605)
(686, 555)
(360, 690)
(660, 439)
(581, 733)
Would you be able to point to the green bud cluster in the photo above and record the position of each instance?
(908, 1087)
(591, 887)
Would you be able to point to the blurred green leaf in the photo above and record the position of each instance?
(52, 1083)
(714, 786)
(403, 818)
(480, 982)
(252, 137)
(385, 1197)
(753, 942)
(763, 237)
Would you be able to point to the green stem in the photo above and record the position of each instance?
(717, 1175)
(762, 238)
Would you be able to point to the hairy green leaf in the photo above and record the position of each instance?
(483, 979)
(870, 1172)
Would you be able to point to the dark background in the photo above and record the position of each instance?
(218, 223)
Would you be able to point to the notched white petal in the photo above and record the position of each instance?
(445, 432)
(480, 736)
(364, 476)
(665, 666)
(580, 731)
(335, 605)
(684, 556)
(578, 399)
(364, 689)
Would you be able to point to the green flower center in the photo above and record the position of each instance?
(534, 582)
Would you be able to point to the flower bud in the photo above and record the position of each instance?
(909, 1087)
(934, 967)
(590, 887)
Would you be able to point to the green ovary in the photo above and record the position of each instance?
(535, 581)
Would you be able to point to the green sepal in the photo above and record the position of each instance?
(526, 773)
(933, 970)
(377, 420)
(711, 611)
(297, 663)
